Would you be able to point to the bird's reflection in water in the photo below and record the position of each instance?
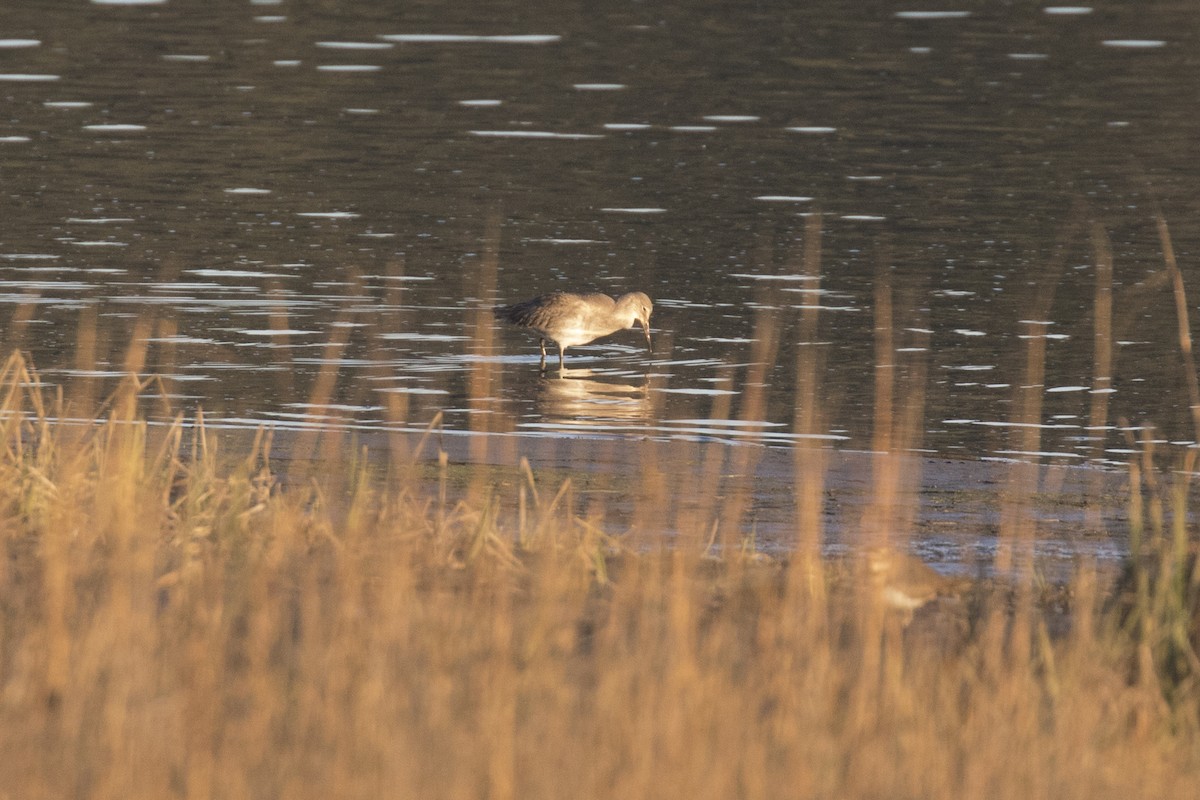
(587, 397)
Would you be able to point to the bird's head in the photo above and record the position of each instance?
(638, 307)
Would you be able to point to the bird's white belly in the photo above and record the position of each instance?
(576, 335)
(902, 600)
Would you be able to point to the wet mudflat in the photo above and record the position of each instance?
(270, 191)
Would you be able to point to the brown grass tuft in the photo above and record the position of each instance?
(174, 623)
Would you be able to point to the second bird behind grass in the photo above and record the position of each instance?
(569, 319)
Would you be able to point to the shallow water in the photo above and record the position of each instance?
(305, 211)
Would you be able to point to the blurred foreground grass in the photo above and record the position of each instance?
(174, 623)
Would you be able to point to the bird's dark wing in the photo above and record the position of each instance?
(549, 310)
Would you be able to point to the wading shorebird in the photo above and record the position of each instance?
(570, 319)
(906, 583)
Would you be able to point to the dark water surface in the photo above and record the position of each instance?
(304, 209)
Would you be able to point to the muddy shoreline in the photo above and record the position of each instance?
(1075, 511)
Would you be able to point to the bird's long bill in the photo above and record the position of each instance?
(646, 330)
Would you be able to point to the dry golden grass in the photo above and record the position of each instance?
(175, 624)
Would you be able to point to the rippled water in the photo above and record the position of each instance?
(306, 209)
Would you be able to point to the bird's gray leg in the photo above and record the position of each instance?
(542, 344)
(561, 352)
